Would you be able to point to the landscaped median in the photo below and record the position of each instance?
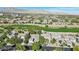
(34, 27)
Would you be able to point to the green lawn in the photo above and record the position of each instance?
(62, 29)
(33, 27)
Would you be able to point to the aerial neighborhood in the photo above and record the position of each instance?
(38, 30)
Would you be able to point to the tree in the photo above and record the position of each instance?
(46, 41)
(60, 41)
(74, 21)
(65, 44)
(41, 19)
(42, 40)
(27, 38)
(53, 41)
(39, 32)
(20, 47)
(9, 28)
(73, 44)
(2, 38)
(76, 48)
(16, 39)
(2, 44)
(46, 25)
(13, 40)
(32, 31)
(36, 46)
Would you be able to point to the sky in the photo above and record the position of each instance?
(70, 10)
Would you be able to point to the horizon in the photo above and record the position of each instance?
(68, 10)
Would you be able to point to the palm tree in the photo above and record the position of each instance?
(27, 38)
